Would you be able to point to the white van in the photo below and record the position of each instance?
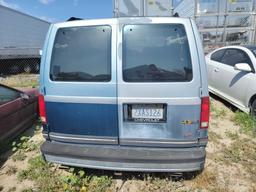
(125, 94)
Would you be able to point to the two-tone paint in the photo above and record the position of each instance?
(86, 120)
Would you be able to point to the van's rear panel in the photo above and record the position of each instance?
(80, 84)
(159, 66)
(125, 94)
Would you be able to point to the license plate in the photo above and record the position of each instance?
(147, 112)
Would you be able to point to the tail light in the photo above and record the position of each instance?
(205, 113)
(42, 110)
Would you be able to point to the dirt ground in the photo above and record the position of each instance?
(230, 165)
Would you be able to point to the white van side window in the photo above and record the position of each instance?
(156, 53)
(82, 54)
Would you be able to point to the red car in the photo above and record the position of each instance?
(18, 111)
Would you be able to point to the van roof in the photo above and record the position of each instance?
(119, 19)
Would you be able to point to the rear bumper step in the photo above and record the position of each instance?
(124, 158)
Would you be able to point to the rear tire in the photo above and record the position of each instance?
(36, 67)
(14, 69)
(192, 175)
(253, 109)
(43, 156)
(27, 68)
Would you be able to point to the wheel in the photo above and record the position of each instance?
(192, 175)
(27, 68)
(37, 67)
(43, 156)
(253, 109)
(14, 69)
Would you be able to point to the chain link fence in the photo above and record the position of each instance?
(20, 81)
(19, 65)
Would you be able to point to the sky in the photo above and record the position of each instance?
(61, 10)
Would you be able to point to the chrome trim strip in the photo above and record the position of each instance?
(170, 101)
(156, 142)
(79, 99)
(121, 100)
(85, 139)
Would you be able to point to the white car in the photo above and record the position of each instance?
(231, 75)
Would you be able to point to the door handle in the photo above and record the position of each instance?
(216, 70)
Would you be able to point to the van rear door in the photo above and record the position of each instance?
(80, 82)
(159, 82)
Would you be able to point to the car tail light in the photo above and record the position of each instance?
(42, 110)
(205, 113)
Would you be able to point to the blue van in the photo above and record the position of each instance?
(125, 94)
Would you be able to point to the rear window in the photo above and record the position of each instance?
(156, 53)
(82, 54)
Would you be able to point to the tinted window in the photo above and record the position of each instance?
(234, 56)
(7, 95)
(156, 53)
(216, 56)
(82, 54)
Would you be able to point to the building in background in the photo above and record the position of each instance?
(222, 22)
(129, 8)
(21, 38)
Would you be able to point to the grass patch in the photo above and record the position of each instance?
(231, 135)
(28, 190)
(161, 184)
(212, 107)
(48, 179)
(220, 113)
(22, 81)
(241, 152)
(214, 137)
(40, 171)
(217, 112)
(95, 183)
(25, 144)
(208, 181)
(12, 189)
(246, 122)
(19, 156)
(205, 180)
(37, 128)
(11, 170)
